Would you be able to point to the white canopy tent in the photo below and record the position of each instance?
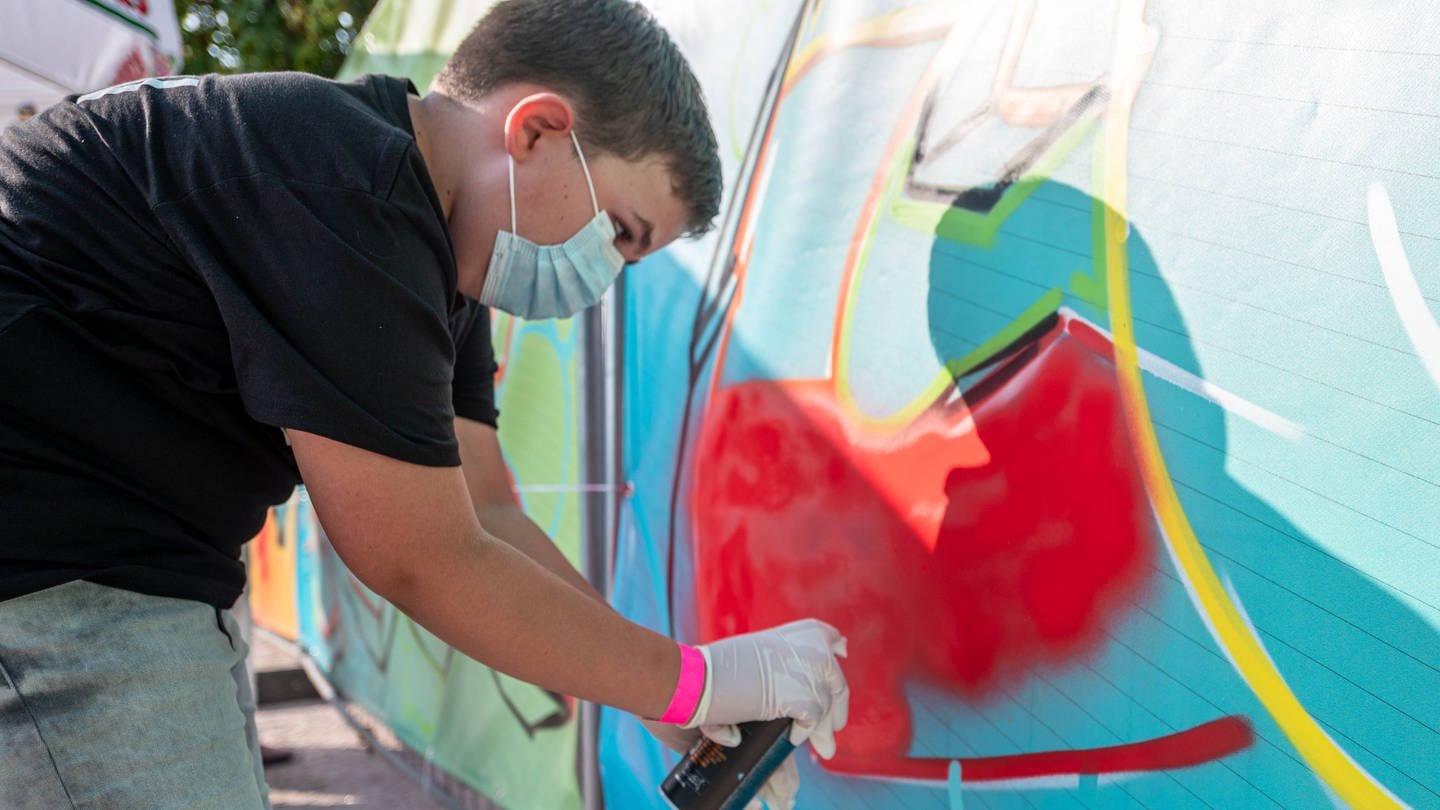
(52, 48)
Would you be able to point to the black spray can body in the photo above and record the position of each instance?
(713, 777)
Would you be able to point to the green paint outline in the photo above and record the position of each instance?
(1044, 306)
(736, 146)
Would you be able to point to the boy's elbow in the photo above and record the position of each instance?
(406, 576)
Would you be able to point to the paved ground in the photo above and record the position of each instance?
(333, 766)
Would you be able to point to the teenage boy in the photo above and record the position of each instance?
(212, 289)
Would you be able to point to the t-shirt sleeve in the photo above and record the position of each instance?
(336, 305)
(474, 386)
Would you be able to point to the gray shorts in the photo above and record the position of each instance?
(116, 699)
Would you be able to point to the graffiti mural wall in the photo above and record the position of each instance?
(1079, 360)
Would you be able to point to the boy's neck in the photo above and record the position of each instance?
(451, 138)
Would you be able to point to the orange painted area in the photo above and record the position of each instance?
(272, 577)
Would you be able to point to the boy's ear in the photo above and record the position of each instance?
(535, 116)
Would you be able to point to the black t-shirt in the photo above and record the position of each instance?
(188, 265)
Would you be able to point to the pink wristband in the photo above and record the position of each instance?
(689, 688)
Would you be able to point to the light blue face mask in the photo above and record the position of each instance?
(552, 281)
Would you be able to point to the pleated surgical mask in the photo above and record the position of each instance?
(552, 281)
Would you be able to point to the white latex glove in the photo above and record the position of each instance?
(779, 791)
(787, 671)
(676, 738)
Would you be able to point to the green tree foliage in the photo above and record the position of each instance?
(239, 36)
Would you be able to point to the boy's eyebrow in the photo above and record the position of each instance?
(648, 228)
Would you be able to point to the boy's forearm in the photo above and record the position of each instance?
(499, 606)
(488, 482)
(509, 523)
(410, 533)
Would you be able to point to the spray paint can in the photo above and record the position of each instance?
(713, 777)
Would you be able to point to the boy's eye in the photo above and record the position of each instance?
(620, 230)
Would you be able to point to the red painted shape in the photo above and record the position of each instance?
(1183, 749)
(963, 553)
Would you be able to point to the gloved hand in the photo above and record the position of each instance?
(676, 738)
(787, 671)
(779, 791)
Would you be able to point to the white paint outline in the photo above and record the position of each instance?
(1419, 323)
(1200, 387)
(1231, 402)
(568, 488)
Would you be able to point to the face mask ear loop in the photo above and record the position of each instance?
(584, 166)
(512, 194)
(511, 159)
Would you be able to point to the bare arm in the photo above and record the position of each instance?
(499, 512)
(489, 484)
(410, 533)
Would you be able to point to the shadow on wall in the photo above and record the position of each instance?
(1003, 537)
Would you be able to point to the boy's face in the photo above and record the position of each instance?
(552, 203)
(639, 198)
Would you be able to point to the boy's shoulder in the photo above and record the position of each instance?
(283, 125)
(303, 97)
(245, 100)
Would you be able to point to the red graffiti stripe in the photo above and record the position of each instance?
(1195, 746)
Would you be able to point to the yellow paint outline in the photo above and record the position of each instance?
(841, 372)
(1351, 782)
(914, 21)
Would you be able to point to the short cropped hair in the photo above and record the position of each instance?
(634, 93)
